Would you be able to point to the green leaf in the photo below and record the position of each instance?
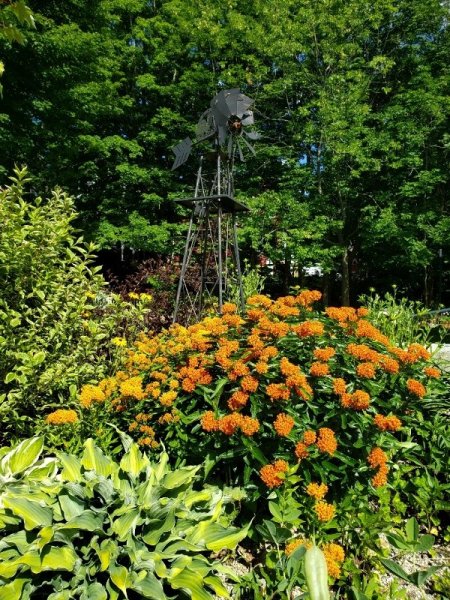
(94, 459)
(85, 521)
(94, 591)
(71, 467)
(275, 511)
(71, 506)
(395, 568)
(120, 578)
(216, 537)
(412, 530)
(58, 558)
(133, 462)
(418, 578)
(146, 584)
(124, 525)
(424, 543)
(192, 584)
(33, 514)
(13, 590)
(176, 479)
(24, 455)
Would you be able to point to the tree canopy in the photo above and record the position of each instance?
(351, 98)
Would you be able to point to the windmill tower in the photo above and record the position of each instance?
(211, 241)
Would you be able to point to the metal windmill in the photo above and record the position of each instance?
(212, 232)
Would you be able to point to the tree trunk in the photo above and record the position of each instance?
(345, 282)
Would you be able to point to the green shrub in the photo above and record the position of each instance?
(56, 320)
(95, 529)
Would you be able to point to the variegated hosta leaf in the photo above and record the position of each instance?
(22, 456)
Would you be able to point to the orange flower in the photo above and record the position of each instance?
(308, 328)
(301, 451)
(362, 311)
(283, 424)
(268, 353)
(324, 354)
(363, 352)
(366, 329)
(259, 300)
(343, 315)
(380, 478)
(339, 386)
(389, 364)
(270, 474)
(416, 388)
(249, 384)
(308, 297)
(360, 400)
(309, 437)
(324, 511)
(167, 398)
(249, 426)
(261, 367)
(319, 369)
(326, 442)
(188, 385)
(334, 556)
(432, 372)
(419, 351)
(346, 400)
(366, 370)
(237, 400)
(390, 423)
(229, 423)
(209, 421)
(291, 547)
(377, 457)
(317, 490)
(277, 391)
(229, 308)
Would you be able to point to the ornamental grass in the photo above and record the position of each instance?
(281, 395)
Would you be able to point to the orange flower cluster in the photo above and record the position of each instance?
(324, 511)
(366, 370)
(91, 394)
(343, 314)
(308, 297)
(308, 328)
(334, 557)
(230, 423)
(416, 388)
(389, 365)
(317, 490)
(359, 400)
(339, 386)
(283, 424)
(433, 372)
(193, 376)
(390, 423)
(238, 400)
(366, 329)
(309, 437)
(363, 352)
(249, 384)
(324, 354)
(326, 441)
(301, 451)
(378, 458)
(272, 474)
(62, 416)
(319, 369)
(277, 391)
(295, 379)
(291, 547)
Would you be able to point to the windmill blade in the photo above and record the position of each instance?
(243, 104)
(181, 151)
(249, 146)
(252, 135)
(247, 118)
(205, 126)
(230, 146)
(241, 154)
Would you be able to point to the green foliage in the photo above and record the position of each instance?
(401, 319)
(90, 527)
(56, 319)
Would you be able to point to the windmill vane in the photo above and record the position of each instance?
(225, 124)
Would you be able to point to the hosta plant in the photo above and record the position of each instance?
(90, 528)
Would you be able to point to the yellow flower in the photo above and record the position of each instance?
(146, 297)
(119, 341)
(89, 394)
(62, 417)
(133, 296)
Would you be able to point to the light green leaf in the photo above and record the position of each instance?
(13, 590)
(133, 462)
(24, 455)
(58, 558)
(86, 521)
(94, 591)
(412, 529)
(94, 459)
(146, 584)
(32, 513)
(192, 584)
(125, 525)
(120, 578)
(216, 537)
(176, 479)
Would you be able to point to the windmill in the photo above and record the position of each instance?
(212, 232)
